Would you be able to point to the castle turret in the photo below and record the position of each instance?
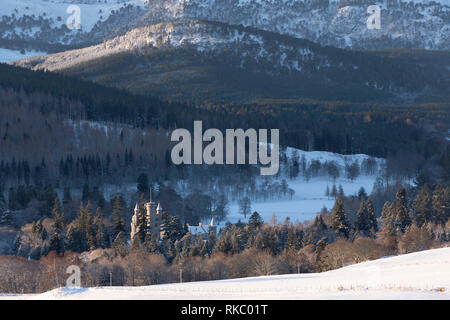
(135, 229)
(154, 214)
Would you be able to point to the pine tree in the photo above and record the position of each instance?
(371, 215)
(318, 223)
(171, 228)
(441, 204)
(327, 192)
(339, 220)
(362, 195)
(362, 219)
(142, 183)
(422, 207)
(402, 219)
(6, 216)
(100, 235)
(73, 239)
(56, 239)
(67, 196)
(388, 217)
(118, 222)
(255, 221)
(235, 247)
(334, 191)
(86, 193)
(245, 206)
(90, 232)
(120, 244)
(292, 241)
(81, 227)
(320, 247)
(223, 243)
(341, 191)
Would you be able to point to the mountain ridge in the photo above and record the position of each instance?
(340, 23)
(193, 48)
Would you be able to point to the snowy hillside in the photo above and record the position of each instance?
(420, 275)
(7, 55)
(41, 22)
(341, 23)
(309, 70)
(202, 35)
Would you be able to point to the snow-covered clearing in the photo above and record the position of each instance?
(309, 197)
(8, 55)
(420, 275)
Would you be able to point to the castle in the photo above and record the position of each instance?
(148, 223)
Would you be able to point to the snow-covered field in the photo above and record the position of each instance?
(308, 200)
(309, 197)
(420, 275)
(8, 55)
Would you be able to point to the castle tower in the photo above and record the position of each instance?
(154, 217)
(212, 227)
(135, 228)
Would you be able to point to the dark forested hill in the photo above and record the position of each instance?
(204, 61)
(343, 127)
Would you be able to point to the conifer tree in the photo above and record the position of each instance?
(402, 219)
(339, 220)
(362, 219)
(56, 239)
(341, 191)
(334, 191)
(67, 196)
(441, 204)
(99, 234)
(388, 217)
(371, 215)
(118, 222)
(318, 223)
(422, 207)
(255, 221)
(320, 247)
(90, 232)
(85, 193)
(292, 242)
(120, 244)
(245, 206)
(6, 217)
(362, 195)
(73, 239)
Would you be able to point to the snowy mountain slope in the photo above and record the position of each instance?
(419, 275)
(200, 34)
(41, 22)
(341, 23)
(302, 67)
